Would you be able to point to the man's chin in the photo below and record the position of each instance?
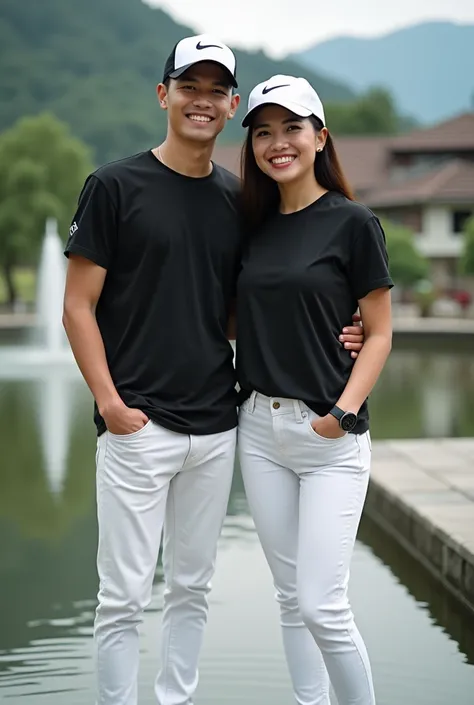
(202, 134)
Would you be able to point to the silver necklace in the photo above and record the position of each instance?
(160, 157)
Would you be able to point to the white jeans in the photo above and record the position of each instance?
(145, 480)
(306, 496)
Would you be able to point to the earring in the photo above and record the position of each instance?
(319, 149)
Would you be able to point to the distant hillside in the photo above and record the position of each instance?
(95, 64)
(428, 68)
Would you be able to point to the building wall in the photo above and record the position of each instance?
(437, 237)
(434, 236)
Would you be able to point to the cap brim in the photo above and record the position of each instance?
(179, 72)
(292, 107)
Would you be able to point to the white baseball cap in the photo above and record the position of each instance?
(202, 47)
(294, 94)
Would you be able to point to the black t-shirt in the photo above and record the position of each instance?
(302, 276)
(171, 246)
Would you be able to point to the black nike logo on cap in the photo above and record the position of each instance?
(273, 88)
(207, 46)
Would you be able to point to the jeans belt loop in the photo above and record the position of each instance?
(252, 400)
(298, 414)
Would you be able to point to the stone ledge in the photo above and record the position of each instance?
(431, 515)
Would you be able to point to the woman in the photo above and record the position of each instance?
(313, 257)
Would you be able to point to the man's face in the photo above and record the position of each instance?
(199, 102)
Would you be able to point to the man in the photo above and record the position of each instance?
(153, 255)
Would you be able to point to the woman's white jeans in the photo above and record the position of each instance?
(306, 495)
(145, 480)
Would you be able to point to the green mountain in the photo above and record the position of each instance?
(428, 68)
(95, 64)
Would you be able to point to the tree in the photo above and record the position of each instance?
(407, 265)
(42, 169)
(467, 258)
(374, 113)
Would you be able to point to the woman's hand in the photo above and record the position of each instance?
(352, 337)
(328, 427)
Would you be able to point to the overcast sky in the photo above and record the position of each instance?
(283, 26)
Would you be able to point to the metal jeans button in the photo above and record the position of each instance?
(276, 404)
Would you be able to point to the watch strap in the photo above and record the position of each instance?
(337, 412)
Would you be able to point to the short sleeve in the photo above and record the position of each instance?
(93, 232)
(368, 267)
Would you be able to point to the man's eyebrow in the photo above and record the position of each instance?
(192, 79)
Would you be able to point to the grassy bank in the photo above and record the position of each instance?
(25, 281)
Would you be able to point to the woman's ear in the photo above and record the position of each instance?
(321, 138)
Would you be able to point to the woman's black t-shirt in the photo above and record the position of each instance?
(301, 278)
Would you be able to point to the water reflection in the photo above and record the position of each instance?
(444, 610)
(48, 540)
(424, 394)
(54, 407)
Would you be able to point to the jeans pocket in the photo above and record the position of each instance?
(315, 435)
(127, 436)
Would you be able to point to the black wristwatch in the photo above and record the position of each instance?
(347, 419)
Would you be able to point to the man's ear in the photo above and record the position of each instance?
(233, 106)
(162, 93)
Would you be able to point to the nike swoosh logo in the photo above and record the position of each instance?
(207, 46)
(273, 88)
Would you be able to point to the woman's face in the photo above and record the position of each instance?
(284, 144)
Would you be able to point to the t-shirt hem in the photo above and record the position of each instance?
(375, 284)
(190, 430)
(362, 426)
(88, 254)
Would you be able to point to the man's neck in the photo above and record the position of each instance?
(187, 158)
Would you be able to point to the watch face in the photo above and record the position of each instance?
(348, 421)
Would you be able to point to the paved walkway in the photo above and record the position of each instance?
(12, 321)
(433, 326)
(422, 492)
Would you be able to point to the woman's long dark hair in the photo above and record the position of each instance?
(260, 194)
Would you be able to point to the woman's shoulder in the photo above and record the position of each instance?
(358, 212)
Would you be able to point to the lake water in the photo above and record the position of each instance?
(420, 641)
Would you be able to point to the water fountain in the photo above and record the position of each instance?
(48, 345)
(50, 292)
(47, 361)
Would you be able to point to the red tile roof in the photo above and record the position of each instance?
(455, 135)
(451, 183)
(364, 160)
(228, 156)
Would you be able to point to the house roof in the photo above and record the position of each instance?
(364, 160)
(228, 156)
(451, 183)
(455, 135)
